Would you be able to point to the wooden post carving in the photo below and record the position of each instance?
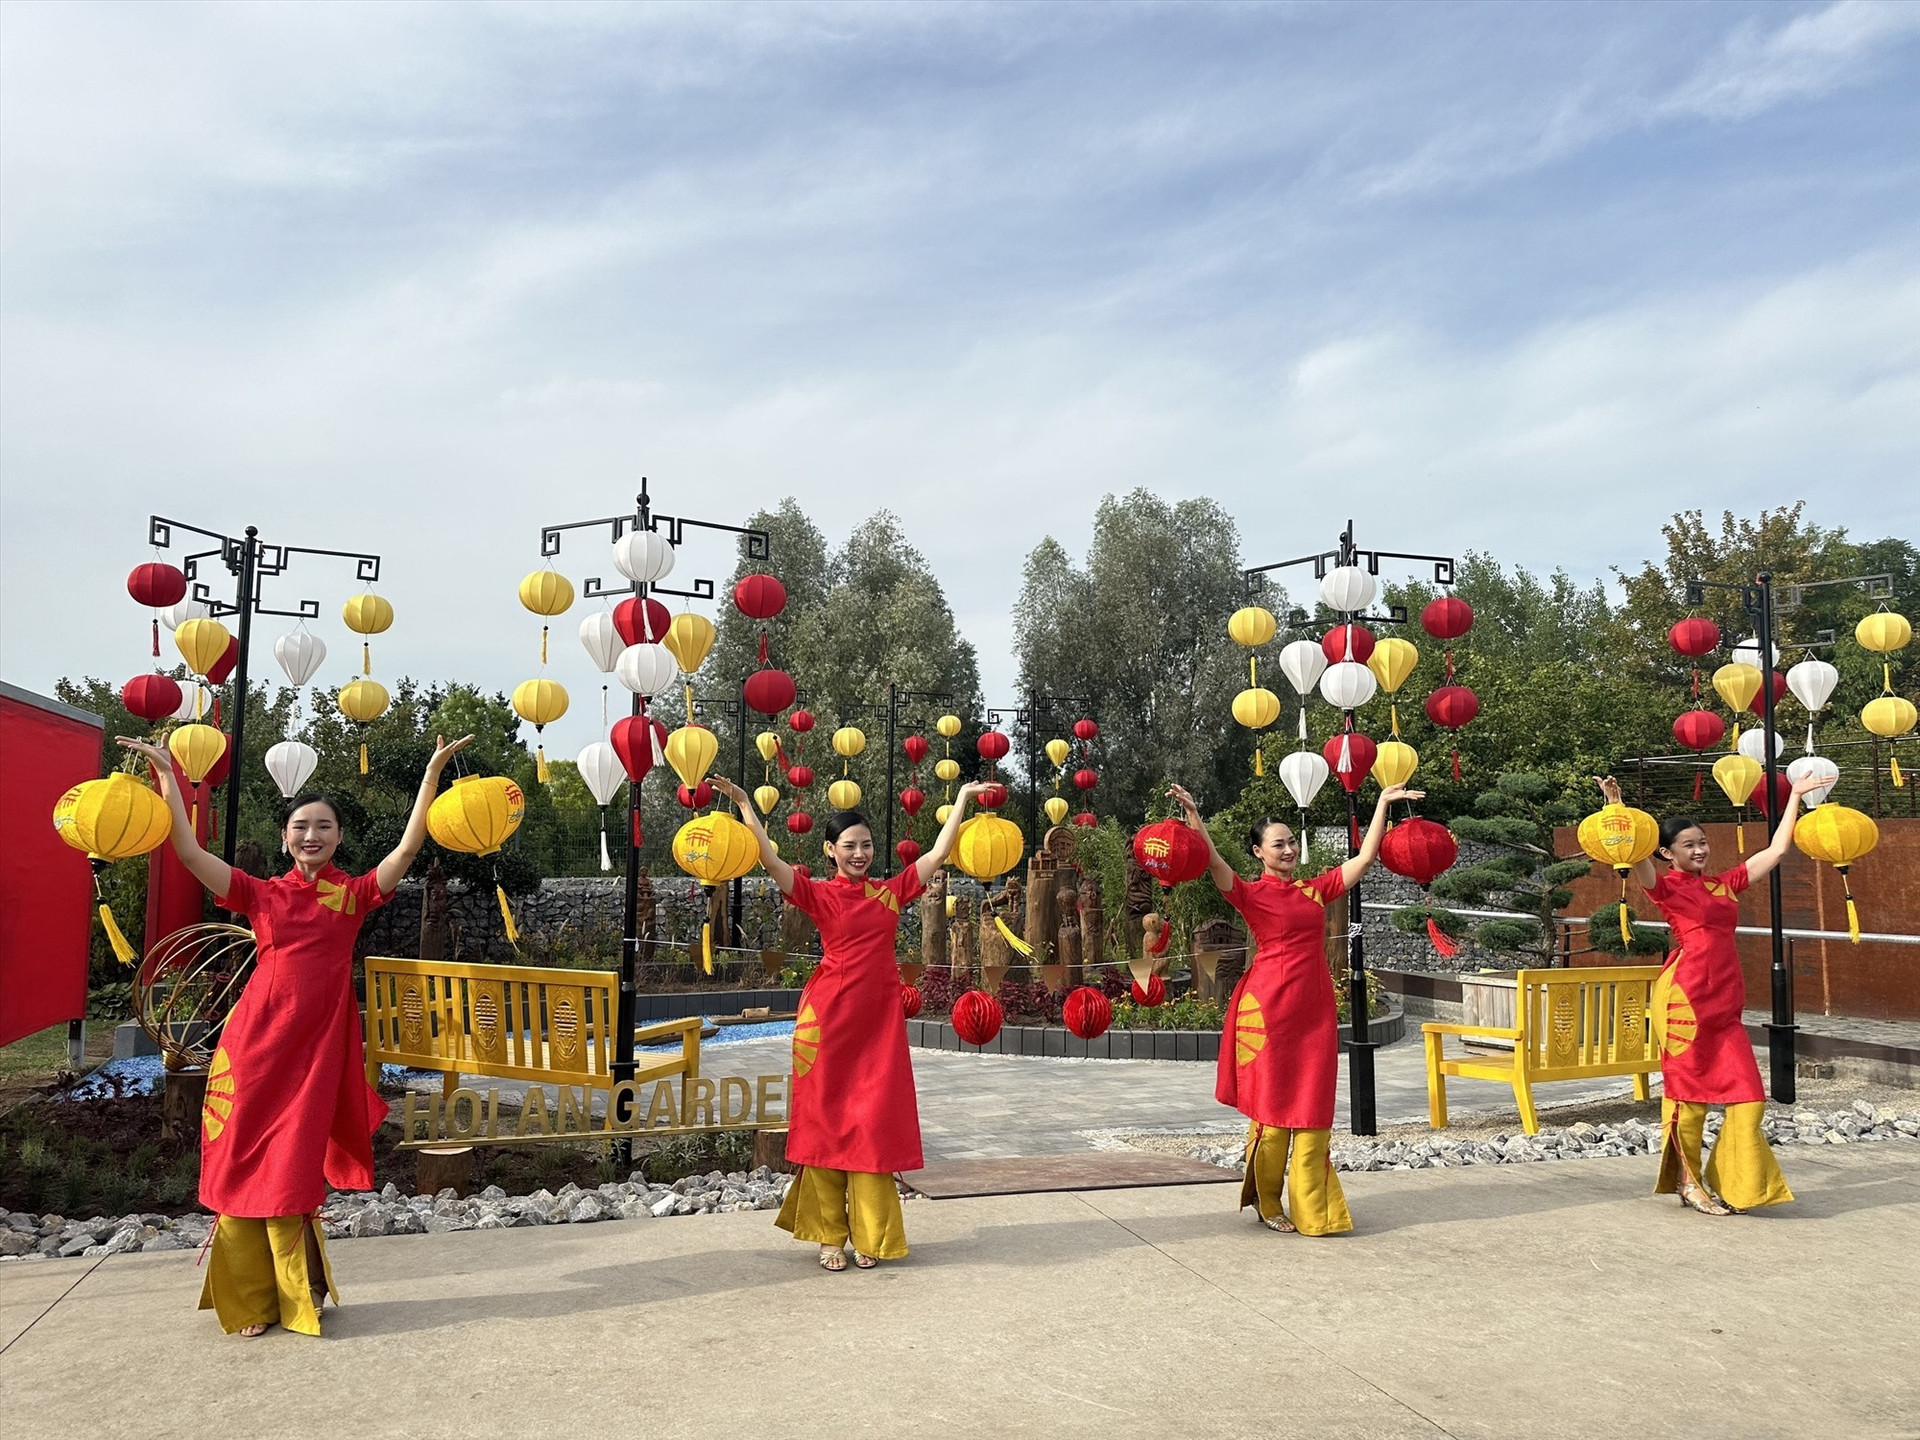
(1093, 922)
(996, 957)
(1138, 903)
(433, 914)
(1043, 918)
(933, 922)
(1066, 954)
(962, 943)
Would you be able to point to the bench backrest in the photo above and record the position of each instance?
(1577, 1020)
(520, 1022)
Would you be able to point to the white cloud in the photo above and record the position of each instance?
(1807, 57)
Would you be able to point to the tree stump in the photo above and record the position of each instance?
(435, 938)
(962, 944)
(184, 1093)
(1043, 916)
(770, 1150)
(443, 1167)
(933, 923)
(996, 957)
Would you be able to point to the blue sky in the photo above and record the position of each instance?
(419, 278)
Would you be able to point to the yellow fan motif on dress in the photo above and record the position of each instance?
(806, 1040)
(218, 1106)
(881, 893)
(1672, 1017)
(1249, 1030)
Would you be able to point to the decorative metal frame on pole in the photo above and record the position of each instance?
(1039, 706)
(1762, 604)
(1360, 1088)
(759, 547)
(896, 697)
(250, 560)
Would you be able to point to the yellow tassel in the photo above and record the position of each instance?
(689, 693)
(506, 915)
(1259, 761)
(122, 951)
(1626, 935)
(363, 757)
(193, 819)
(1899, 780)
(706, 947)
(1853, 922)
(1734, 743)
(366, 658)
(1253, 672)
(540, 763)
(1740, 838)
(543, 644)
(1393, 714)
(1019, 946)
(1886, 676)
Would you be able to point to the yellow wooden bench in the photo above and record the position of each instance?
(1570, 1025)
(517, 1022)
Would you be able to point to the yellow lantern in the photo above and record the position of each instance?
(1058, 751)
(690, 637)
(1736, 685)
(1737, 775)
(1252, 626)
(768, 744)
(690, 750)
(766, 797)
(1256, 708)
(1394, 763)
(1057, 809)
(202, 642)
(197, 749)
(112, 819)
(1839, 836)
(948, 726)
(943, 813)
(988, 846)
(539, 703)
(1620, 836)
(548, 593)
(1391, 662)
(1883, 632)
(367, 614)
(362, 701)
(843, 795)
(849, 741)
(476, 815)
(715, 848)
(1889, 715)
(948, 770)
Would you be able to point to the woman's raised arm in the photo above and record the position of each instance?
(770, 860)
(1223, 874)
(210, 870)
(392, 870)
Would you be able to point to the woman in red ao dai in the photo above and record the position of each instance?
(853, 1120)
(1279, 1053)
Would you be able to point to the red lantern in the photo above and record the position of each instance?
(911, 800)
(1086, 779)
(156, 585)
(1087, 1012)
(1419, 850)
(759, 597)
(1350, 755)
(152, 697)
(800, 721)
(1086, 820)
(1170, 851)
(1758, 705)
(1452, 706)
(1447, 618)
(1152, 995)
(1694, 637)
(641, 622)
(230, 657)
(697, 798)
(976, 1017)
(908, 851)
(800, 776)
(769, 691)
(911, 1000)
(222, 767)
(640, 743)
(1085, 731)
(1699, 729)
(916, 748)
(1334, 643)
(993, 746)
(992, 797)
(799, 823)
(1782, 788)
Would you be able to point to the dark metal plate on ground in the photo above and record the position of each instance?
(1035, 1174)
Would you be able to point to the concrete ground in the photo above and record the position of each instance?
(1534, 1300)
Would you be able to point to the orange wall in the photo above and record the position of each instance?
(1876, 981)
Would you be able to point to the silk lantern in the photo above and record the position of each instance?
(1812, 683)
(641, 621)
(690, 639)
(539, 703)
(647, 670)
(601, 771)
(195, 701)
(546, 593)
(1171, 852)
(1056, 809)
(1753, 745)
(908, 850)
(1694, 637)
(1252, 626)
(300, 655)
(948, 726)
(1816, 765)
(362, 701)
(1085, 779)
(991, 797)
(947, 770)
(976, 1017)
(1620, 836)
(1736, 775)
(849, 741)
(157, 585)
(181, 611)
(690, 750)
(643, 556)
(477, 815)
(1347, 685)
(153, 697)
(1746, 652)
(1347, 588)
(1450, 707)
(1392, 662)
(601, 637)
(1699, 730)
(1087, 1013)
(1058, 751)
(112, 819)
(202, 643)
(1256, 708)
(1758, 704)
(799, 823)
(1394, 763)
(1736, 685)
(1347, 643)
(800, 776)
(1839, 836)
(367, 614)
(993, 746)
(714, 849)
(641, 744)
(759, 597)
(1421, 851)
(844, 795)
(291, 763)
(1889, 715)
(1446, 617)
(800, 722)
(695, 797)
(1349, 756)
(916, 749)
(1303, 773)
(769, 691)
(988, 846)
(768, 744)
(1086, 820)
(1303, 662)
(1085, 731)
(911, 799)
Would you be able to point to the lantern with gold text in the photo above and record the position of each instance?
(108, 820)
(477, 815)
(1620, 836)
(1171, 852)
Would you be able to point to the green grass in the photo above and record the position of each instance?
(38, 1054)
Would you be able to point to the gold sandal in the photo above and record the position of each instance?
(1279, 1224)
(834, 1260)
(864, 1262)
(1696, 1196)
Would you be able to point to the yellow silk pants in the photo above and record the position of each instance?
(260, 1272)
(1741, 1171)
(829, 1207)
(1296, 1161)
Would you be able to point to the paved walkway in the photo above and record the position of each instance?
(1485, 1304)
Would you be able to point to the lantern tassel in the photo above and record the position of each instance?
(763, 649)
(689, 695)
(706, 947)
(1440, 940)
(366, 658)
(1303, 837)
(363, 757)
(1809, 734)
(1456, 768)
(1259, 760)
(1734, 742)
(1740, 836)
(1899, 780)
(1346, 753)
(606, 860)
(540, 764)
(1353, 831)
(1853, 914)
(636, 829)
(1696, 682)
(1393, 717)
(156, 637)
(1303, 720)
(543, 644)
(122, 951)
(1253, 672)
(1698, 776)
(506, 916)
(1626, 934)
(1014, 942)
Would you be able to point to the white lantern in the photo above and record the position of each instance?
(291, 764)
(646, 669)
(196, 701)
(1303, 662)
(601, 771)
(643, 556)
(1812, 682)
(1747, 652)
(602, 639)
(178, 614)
(1348, 685)
(300, 655)
(1347, 588)
(1753, 744)
(1303, 773)
(1814, 765)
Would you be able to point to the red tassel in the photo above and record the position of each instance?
(1697, 776)
(636, 829)
(763, 649)
(156, 637)
(1696, 694)
(1353, 828)
(1440, 941)
(1456, 765)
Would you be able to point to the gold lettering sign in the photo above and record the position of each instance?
(470, 1117)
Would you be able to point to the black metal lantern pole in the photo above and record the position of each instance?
(896, 697)
(250, 560)
(1762, 605)
(674, 527)
(1362, 1115)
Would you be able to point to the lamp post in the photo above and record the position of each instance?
(1040, 706)
(1360, 1088)
(674, 527)
(1762, 604)
(251, 561)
